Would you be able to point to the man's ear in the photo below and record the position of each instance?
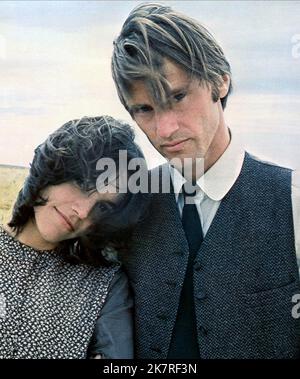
(224, 86)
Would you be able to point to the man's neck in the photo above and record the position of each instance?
(217, 148)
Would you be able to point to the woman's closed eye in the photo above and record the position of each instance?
(104, 206)
(100, 209)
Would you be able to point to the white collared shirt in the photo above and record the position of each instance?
(216, 182)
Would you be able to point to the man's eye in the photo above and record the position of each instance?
(142, 109)
(179, 96)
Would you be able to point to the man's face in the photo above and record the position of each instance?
(193, 126)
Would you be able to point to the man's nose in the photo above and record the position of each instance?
(166, 123)
(83, 207)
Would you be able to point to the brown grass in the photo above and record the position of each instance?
(11, 181)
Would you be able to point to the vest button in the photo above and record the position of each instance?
(200, 295)
(163, 313)
(162, 316)
(171, 283)
(202, 331)
(197, 266)
(156, 349)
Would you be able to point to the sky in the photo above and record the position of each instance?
(55, 66)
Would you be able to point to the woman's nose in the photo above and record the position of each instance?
(83, 207)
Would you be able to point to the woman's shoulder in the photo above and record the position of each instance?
(112, 272)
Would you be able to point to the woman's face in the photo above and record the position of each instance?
(66, 213)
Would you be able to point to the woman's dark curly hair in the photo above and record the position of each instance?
(70, 154)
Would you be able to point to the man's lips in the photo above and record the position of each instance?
(66, 221)
(176, 145)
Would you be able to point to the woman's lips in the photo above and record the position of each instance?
(65, 221)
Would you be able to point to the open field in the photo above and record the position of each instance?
(11, 181)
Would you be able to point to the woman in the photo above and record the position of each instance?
(62, 292)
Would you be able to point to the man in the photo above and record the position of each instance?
(213, 279)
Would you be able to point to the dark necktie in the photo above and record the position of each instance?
(184, 339)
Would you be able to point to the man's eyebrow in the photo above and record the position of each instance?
(173, 91)
(182, 88)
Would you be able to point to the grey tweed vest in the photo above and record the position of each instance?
(245, 272)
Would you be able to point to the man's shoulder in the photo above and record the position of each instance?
(266, 174)
(266, 163)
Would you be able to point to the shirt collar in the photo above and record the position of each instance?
(219, 179)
